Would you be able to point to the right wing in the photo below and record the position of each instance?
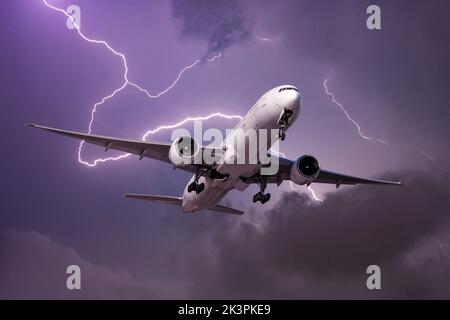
(153, 150)
(331, 177)
(325, 176)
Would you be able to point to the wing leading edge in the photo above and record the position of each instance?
(154, 150)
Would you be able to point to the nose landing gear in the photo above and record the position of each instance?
(281, 134)
(283, 122)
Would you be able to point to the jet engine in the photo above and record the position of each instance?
(304, 170)
(183, 151)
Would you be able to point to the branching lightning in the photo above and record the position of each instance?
(126, 82)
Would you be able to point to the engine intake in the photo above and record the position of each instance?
(304, 170)
(183, 151)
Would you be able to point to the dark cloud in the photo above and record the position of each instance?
(221, 23)
(303, 250)
(33, 266)
(394, 81)
(323, 250)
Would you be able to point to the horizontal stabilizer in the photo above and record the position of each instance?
(159, 199)
(220, 208)
(178, 202)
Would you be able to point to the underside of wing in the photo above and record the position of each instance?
(330, 177)
(154, 150)
(144, 149)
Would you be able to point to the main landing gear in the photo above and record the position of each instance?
(261, 181)
(198, 187)
(283, 122)
(194, 185)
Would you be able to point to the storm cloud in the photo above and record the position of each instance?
(220, 23)
(322, 251)
(302, 250)
(33, 266)
(393, 82)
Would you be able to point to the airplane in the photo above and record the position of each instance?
(277, 109)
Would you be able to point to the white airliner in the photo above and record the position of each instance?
(276, 109)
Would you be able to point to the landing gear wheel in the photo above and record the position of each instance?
(200, 187)
(265, 198)
(282, 135)
(257, 197)
(261, 197)
(192, 186)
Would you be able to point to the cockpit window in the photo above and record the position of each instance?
(288, 88)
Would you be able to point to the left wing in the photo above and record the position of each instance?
(325, 176)
(153, 150)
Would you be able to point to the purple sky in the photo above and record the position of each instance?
(57, 212)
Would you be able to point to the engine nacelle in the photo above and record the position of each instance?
(304, 170)
(183, 151)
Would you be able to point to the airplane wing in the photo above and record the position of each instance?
(331, 177)
(160, 151)
(325, 176)
(153, 150)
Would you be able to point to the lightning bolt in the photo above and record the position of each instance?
(126, 82)
(356, 124)
(442, 245)
(311, 192)
(367, 138)
(191, 119)
(430, 158)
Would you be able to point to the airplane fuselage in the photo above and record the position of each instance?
(265, 114)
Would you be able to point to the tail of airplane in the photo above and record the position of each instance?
(178, 201)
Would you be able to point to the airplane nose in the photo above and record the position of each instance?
(291, 100)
